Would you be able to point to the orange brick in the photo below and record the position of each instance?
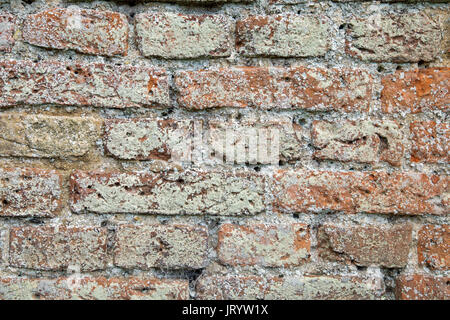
(416, 90)
(352, 192)
(86, 31)
(430, 142)
(422, 287)
(433, 246)
(315, 89)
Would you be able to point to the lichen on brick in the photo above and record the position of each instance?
(191, 192)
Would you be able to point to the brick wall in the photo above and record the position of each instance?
(265, 149)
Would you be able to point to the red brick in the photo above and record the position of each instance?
(422, 287)
(86, 31)
(29, 192)
(288, 288)
(416, 90)
(433, 246)
(161, 246)
(360, 141)
(288, 35)
(58, 248)
(283, 88)
(7, 27)
(168, 193)
(264, 245)
(430, 142)
(81, 84)
(93, 288)
(379, 245)
(351, 192)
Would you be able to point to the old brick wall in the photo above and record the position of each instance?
(99, 98)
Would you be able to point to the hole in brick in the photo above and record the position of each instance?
(295, 215)
(257, 169)
(299, 120)
(194, 274)
(37, 295)
(36, 220)
(422, 64)
(5, 202)
(384, 143)
(361, 268)
(144, 289)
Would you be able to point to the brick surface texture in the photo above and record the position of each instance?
(225, 149)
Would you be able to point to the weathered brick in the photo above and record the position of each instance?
(361, 141)
(433, 246)
(145, 139)
(416, 90)
(283, 36)
(264, 245)
(93, 288)
(58, 248)
(161, 246)
(7, 27)
(409, 37)
(81, 84)
(386, 246)
(430, 142)
(251, 141)
(45, 136)
(288, 288)
(422, 287)
(29, 192)
(283, 88)
(178, 36)
(370, 192)
(190, 192)
(86, 31)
